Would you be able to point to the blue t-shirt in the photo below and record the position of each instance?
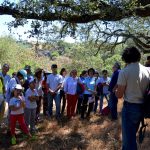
(90, 84)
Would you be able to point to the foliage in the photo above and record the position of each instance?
(99, 20)
(78, 56)
(17, 56)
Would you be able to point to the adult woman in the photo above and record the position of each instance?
(89, 93)
(70, 88)
(38, 86)
(63, 73)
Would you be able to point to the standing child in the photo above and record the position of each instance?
(16, 106)
(31, 98)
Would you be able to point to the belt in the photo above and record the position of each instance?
(128, 103)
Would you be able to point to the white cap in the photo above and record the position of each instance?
(18, 87)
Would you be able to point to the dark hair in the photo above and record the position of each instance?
(19, 74)
(53, 66)
(96, 72)
(104, 71)
(62, 70)
(83, 72)
(37, 73)
(91, 69)
(148, 57)
(131, 54)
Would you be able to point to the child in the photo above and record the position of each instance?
(31, 96)
(16, 106)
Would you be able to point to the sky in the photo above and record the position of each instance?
(20, 30)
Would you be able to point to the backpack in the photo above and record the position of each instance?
(106, 111)
(80, 88)
(99, 89)
(146, 105)
(146, 114)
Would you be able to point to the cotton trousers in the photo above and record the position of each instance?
(2, 110)
(21, 121)
(38, 109)
(45, 104)
(63, 99)
(85, 104)
(113, 106)
(30, 115)
(71, 105)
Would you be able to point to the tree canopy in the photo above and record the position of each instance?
(98, 20)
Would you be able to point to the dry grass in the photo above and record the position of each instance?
(98, 133)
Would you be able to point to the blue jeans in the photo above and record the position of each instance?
(56, 98)
(113, 105)
(131, 117)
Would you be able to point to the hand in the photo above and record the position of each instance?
(65, 96)
(32, 98)
(52, 92)
(94, 92)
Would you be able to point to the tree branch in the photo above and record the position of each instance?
(105, 12)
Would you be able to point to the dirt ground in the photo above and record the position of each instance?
(97, 133)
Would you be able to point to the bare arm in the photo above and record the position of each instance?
(120, 91)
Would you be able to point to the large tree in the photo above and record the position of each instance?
(98, 20)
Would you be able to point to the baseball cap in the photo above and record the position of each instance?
(18, 87)
(24, 73)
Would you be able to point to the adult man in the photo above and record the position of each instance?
(112, 87)
(2, 103)
(132, 83)
(54, 82)
(5, 78)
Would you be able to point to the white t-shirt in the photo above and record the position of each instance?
(104, 80)
(29, 93)
(136, 78)
(70, 86)
(63, 82)
(53, 81)
(16, 102)
(38, 86)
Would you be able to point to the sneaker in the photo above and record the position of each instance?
(33, 138)
(13, 141)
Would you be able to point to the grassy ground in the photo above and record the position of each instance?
(98, 133)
